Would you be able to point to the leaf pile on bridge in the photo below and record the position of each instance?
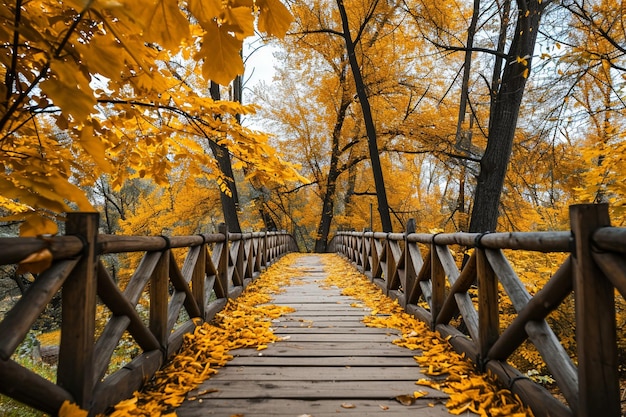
(450, 371)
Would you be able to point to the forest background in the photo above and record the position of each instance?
(97, 117)
(466, 116)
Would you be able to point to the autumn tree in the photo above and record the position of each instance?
(95, 88)
(320, 120)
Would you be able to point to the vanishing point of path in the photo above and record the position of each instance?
(328, 363)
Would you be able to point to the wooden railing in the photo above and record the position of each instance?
(216, 267)
(595, 268)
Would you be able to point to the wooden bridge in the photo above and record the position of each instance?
(197, 275)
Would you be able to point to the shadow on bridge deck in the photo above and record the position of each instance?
(327, 363)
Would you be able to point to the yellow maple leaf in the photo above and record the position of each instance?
(220, 53)
(71, 410)
(36, 262)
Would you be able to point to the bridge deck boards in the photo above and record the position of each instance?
(329, 364)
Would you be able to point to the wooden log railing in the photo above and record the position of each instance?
(216, 267)
(594, 270)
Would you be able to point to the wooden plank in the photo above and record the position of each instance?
(334, 330)
(423, 274)
(15, 249)
(341, 337)
(308, 323)
(345, 311)
(371, 361)
(322, 349)
(463, 300)
(313, 390)
(317, 373)
(316, 408)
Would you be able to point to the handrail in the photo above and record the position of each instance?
(435, 290)
(217, 267)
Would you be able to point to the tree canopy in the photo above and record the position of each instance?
(121, 88)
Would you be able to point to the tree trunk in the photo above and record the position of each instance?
(381, 194)
(328, 205)
(321, 241)
(503, 119)
(229, 202)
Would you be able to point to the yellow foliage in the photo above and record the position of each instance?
(98, 87)
(468, 390)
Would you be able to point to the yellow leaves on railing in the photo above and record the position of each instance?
(455, 375)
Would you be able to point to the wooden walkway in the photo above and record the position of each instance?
(328, 363)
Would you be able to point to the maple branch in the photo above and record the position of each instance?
(366, 20)
(310, 32)
(433, 151)
(44, 70)
(299, 187)
(465, 49)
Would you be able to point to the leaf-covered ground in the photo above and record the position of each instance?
(246, 322)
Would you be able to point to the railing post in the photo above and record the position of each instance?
(198, 279)
(488, 308)
(408, 270)
(598, 378)
(222, 266)
(263, 255)
(75, 370)
(159, 282)
(365, 259)
(438, 282)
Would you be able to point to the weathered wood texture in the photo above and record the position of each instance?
(327, 363)
(595, 270)
(216, 267)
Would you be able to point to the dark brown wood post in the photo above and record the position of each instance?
(159, 282)
(365, 259)
(75, 370)
(198, 279)
(222, 265)
(410, 276)
(488, 309)
(438, 280)
(598, 378)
